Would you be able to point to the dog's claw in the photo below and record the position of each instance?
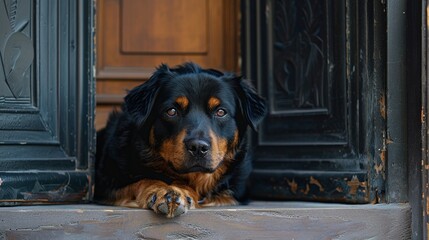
(152, 201)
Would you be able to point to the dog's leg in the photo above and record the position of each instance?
(170, 200)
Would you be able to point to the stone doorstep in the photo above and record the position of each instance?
(258, 220)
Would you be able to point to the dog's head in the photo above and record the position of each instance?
(196, 117)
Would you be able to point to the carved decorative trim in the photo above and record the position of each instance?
(16, 52)
(299, 37)
(47, 145)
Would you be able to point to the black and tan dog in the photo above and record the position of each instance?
(179, 142)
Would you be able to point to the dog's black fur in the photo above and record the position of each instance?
(185, 127)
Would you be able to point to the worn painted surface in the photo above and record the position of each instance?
(330, 146)
(260, 220)
(20, 188)
(373, 66)
(425, 129)
(339, 187)
(47, 138)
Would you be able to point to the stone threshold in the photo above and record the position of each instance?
(258, 220)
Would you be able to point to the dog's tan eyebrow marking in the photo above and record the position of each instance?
(183, 102)
(213, 103)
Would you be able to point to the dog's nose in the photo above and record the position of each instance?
(197, 147)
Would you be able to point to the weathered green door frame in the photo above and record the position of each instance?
(415, 15)
(396, 115)
(324, 137)
(46, 101)
(383, 56)
(424, 164)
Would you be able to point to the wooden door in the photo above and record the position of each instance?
(324, 136)
(135, 36)
(46, 101)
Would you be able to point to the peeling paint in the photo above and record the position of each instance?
(1, 181)
(307, 189)
(293, 185)
(383, 156)
(427, 206)
(382, 103)
(316, 187)
(379, 168)
(317, 183)
(353, 185)
(43, 187)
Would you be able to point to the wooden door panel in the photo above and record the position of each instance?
(176, 26)
(323, 136)
(135, 36)
(306, 87)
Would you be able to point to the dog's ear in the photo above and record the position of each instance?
(252, 105)
(140, 100)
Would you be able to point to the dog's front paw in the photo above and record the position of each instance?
(170, 201)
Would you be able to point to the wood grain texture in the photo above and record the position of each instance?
(164, 26)
(260, 220)
(136, 36)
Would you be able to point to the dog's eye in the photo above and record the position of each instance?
(220, 112)
(171, 112)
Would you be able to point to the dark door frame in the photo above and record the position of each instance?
(418, 167)
(47, 145)
(401, 98)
